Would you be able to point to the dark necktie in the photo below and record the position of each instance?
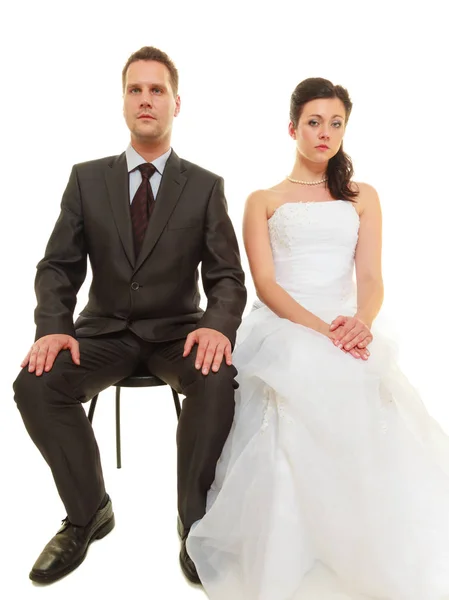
(142, 206)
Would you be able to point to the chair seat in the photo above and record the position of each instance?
(140, 378)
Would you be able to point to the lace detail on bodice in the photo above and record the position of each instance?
(313, 245)
(282, 234)
(287, 223)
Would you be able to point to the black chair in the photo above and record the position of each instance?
(141, 378)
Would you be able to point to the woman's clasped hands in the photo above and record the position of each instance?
(351, 335)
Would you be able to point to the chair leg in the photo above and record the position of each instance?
(93, 404)
(117, 428)
(176, 400)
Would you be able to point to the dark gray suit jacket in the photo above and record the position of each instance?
(155, 295)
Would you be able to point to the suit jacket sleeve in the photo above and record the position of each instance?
(222, 274)
(62, 271)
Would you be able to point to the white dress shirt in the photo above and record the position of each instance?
(133, 160)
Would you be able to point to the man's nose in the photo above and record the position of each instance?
(146, 99)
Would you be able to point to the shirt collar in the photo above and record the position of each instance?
(133, 160)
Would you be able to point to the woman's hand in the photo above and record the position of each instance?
(350, 333)
(362, 353)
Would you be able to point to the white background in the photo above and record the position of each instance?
(61, 101)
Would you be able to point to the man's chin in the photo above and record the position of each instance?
(146, 136)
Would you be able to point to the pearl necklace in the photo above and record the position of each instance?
(306, 182)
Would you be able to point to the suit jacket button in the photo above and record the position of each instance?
(135, 286)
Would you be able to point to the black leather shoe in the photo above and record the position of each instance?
(68, 548)
(187, 564)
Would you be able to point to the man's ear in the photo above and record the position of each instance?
(178, 105)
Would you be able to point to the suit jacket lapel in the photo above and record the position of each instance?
(117, 181)
(170, 189)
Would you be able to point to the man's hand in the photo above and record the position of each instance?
(350, 332)
(212, 346)
(44, 351)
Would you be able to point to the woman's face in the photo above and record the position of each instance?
(320, 129)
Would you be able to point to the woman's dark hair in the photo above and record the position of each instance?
(339, 169)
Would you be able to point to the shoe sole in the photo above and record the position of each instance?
(195, 580)
(98, 535)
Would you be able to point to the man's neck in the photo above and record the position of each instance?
(150, 151)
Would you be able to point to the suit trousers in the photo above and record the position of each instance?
(51, 408)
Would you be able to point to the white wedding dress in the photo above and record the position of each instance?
(334, 480)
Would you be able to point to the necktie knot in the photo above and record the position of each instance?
(147, 170)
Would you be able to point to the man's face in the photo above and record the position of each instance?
(149, 105)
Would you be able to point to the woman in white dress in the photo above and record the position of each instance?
(334, 479)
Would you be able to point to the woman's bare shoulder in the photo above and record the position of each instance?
(367, 196)
(364, 189)
(266, 199)
(262, 198)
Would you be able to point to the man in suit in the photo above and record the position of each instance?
(145, 219)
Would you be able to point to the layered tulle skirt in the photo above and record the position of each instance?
(334, 481)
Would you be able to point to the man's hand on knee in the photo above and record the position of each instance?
(44, 351)
(212, 346)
